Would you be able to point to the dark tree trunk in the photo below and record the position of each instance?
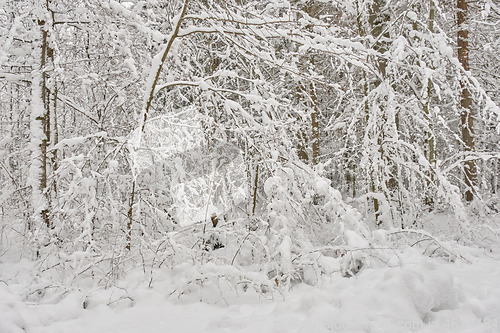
(467, 117)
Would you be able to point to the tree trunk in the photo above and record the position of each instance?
(310, 137)
(255, 189)
(44, 118)
(314, 125)
(378, 20)
(430, 146)
(466, 115)
(130, 217)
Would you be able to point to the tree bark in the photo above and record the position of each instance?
(466, 115)
(130, 217)
(46, 55)
(314, 125)
(378, 20)
(430, 146)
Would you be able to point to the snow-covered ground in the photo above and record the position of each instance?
(420, 294)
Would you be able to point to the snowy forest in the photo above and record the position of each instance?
(337, 157)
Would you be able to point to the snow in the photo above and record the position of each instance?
(127, 258)
(418, 295)
(412, 15)
(356, 241)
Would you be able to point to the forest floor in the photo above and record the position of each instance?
(421, 294)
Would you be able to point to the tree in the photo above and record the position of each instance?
(147, 118)
(466, 116)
